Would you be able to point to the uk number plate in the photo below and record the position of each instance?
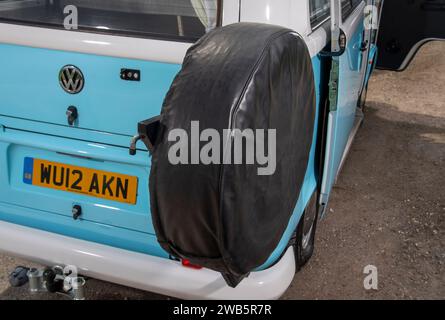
(91, 182)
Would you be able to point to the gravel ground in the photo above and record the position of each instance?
(387, 208)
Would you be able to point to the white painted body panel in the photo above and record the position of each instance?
(103, 44)
(231, 12)
(94, 43)
(142, 271)
(286, 13)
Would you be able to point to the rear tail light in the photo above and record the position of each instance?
(186, 263)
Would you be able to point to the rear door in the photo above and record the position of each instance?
(50, 166)
(405, 26)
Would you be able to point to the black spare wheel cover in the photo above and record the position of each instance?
(227, 217)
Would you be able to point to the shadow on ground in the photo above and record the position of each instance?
(387, 210)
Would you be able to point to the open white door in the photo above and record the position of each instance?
(405, 27)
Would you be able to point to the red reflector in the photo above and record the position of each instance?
(186, 263)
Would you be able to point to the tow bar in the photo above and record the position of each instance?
(49, 280)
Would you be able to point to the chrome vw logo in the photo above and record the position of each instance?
(71, 79)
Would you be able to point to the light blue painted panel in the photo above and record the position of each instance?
(95, 156)
(84, 230)
(30, 88)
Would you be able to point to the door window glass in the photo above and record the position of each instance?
(181, 19)
(320, 10)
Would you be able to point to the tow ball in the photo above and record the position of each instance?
(49, 280)
(148, 131)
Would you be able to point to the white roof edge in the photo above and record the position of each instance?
(92, 43)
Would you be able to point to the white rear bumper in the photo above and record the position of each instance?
(142, 271)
